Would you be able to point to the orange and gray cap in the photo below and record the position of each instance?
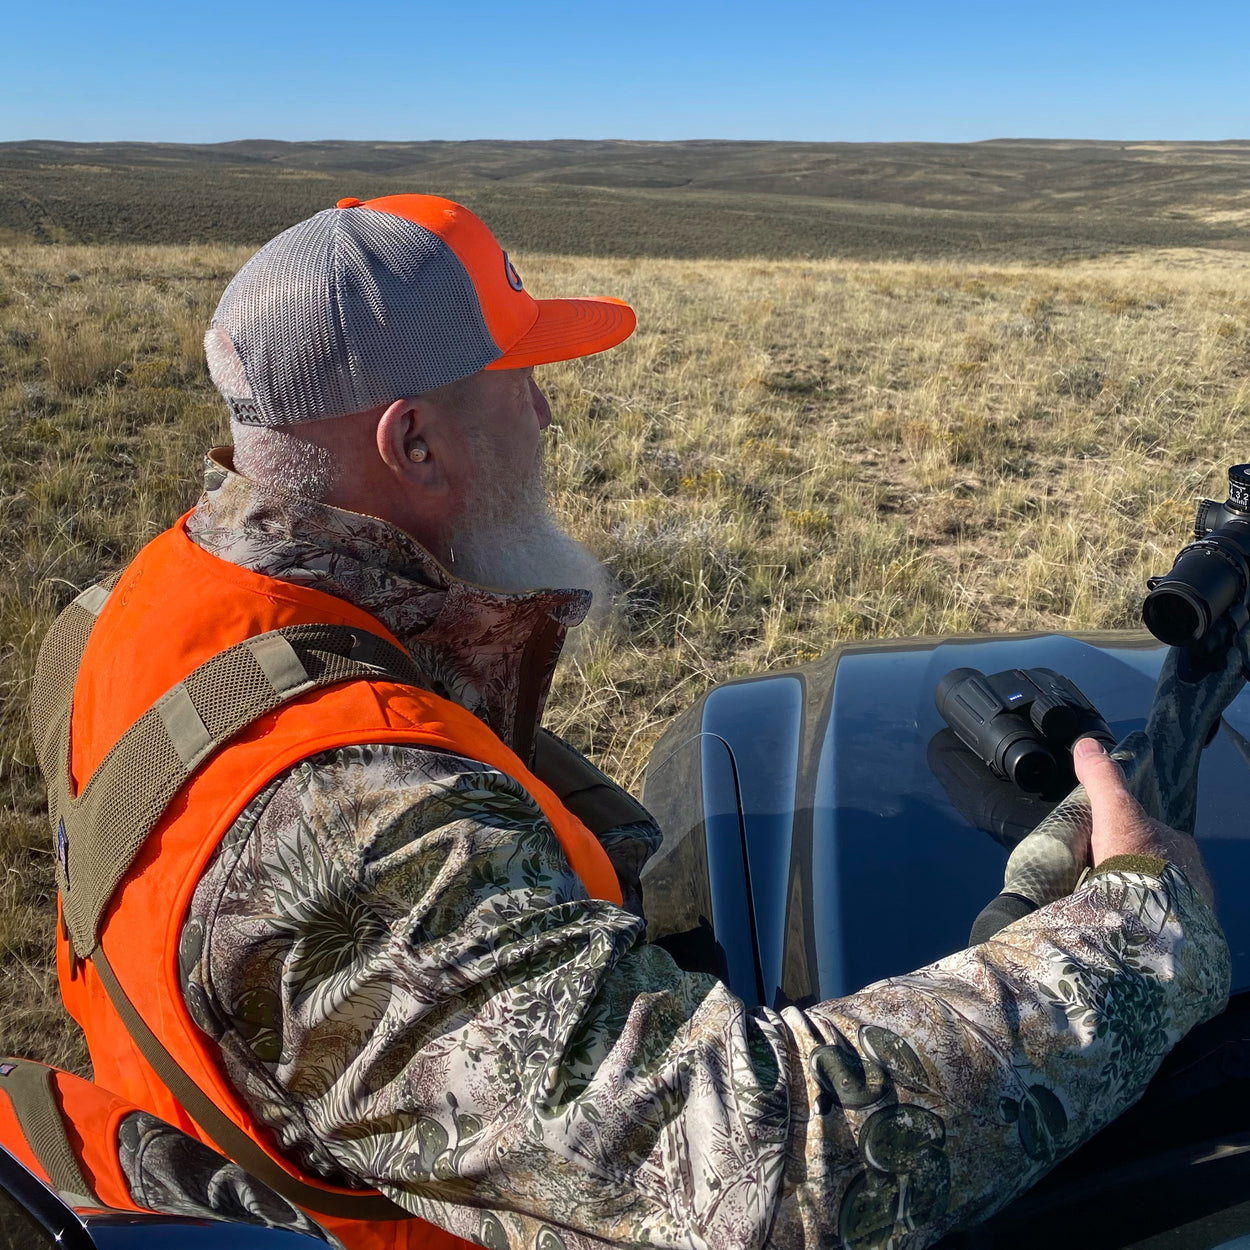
(369, 302)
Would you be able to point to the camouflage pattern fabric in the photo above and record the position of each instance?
(410, 986)
(173, 1174)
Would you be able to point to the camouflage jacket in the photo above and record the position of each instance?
(410, 986)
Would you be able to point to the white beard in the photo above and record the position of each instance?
(513, 543)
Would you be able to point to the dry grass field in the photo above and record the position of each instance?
(786, 454)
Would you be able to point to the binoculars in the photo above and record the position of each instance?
(1021, 723)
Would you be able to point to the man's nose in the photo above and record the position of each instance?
(541, 406)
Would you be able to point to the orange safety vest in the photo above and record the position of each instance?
(173, 608)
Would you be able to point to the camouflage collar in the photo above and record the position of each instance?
(491, 652)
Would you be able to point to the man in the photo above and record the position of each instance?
(389, 955)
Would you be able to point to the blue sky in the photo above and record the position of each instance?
(377, 69)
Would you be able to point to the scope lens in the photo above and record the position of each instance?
(1030, 766)
(1171, 613)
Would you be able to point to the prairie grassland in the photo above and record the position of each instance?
(1031, 200)
(785, 455)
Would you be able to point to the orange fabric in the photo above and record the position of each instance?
(175, 606)
(567, 328)
(191, 601)
(14, 1140)
(527, 331)
(92, 1117)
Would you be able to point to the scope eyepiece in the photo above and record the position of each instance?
(1174, 614)
(1209, 577)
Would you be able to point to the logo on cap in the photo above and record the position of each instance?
(514, 278)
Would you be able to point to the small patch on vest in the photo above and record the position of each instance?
(62, 849)
(6, 1068)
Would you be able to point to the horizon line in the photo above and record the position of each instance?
(205, 143)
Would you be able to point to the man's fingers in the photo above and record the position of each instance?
(1096, 770)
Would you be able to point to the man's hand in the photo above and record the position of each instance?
(1121, 827)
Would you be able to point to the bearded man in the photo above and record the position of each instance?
(335, 902)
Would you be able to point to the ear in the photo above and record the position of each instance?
(399, 430)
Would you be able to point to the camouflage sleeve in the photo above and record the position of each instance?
(940, 1096)
(412, 989)
(171, 1173)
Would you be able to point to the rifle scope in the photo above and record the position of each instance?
(1211, 576)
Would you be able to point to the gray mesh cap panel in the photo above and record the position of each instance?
(347, 310)
(277, 312)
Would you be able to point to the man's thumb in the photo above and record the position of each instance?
(1103, 781)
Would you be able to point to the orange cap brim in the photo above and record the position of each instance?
(568, 328)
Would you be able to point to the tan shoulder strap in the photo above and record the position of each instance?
(56, 669)
(30, 1090)
(101, 830)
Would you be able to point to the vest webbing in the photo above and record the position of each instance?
(101, 830)
(66, 1131)
(105, 831)
(32, 1094)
